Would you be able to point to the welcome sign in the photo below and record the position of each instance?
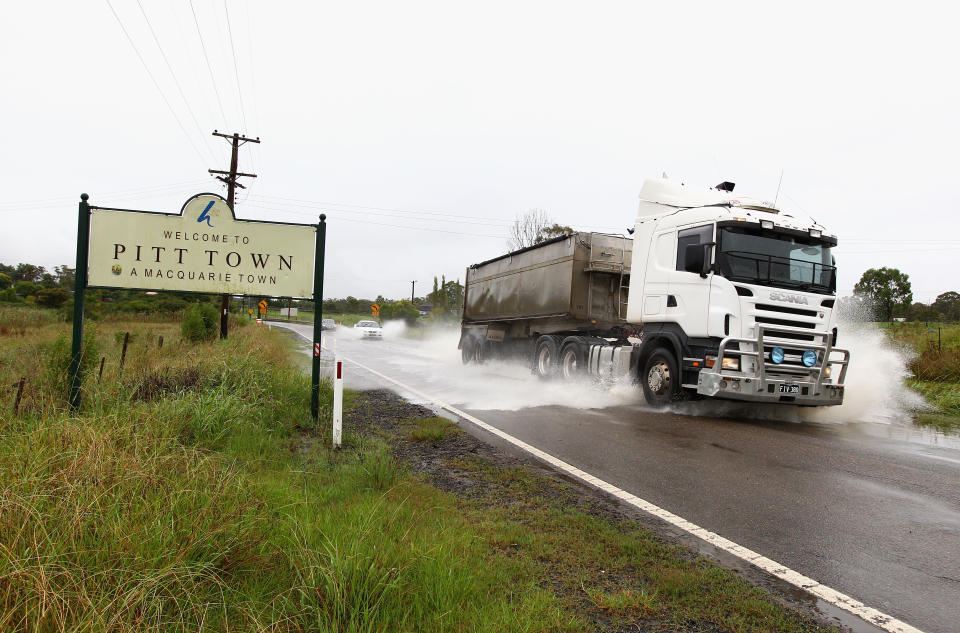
(204, 248)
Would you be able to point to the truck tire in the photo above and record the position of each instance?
(660, 378)
(480, 352)
(545, 357)
(573, 358)
(468, 350)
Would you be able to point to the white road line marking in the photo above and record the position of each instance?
(834, 597)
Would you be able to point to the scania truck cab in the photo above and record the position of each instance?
(735, 299)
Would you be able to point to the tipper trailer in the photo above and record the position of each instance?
(714, 296)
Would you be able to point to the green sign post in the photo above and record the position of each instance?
(317, 316)
(79, 294)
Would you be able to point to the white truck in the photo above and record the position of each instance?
(715, 295)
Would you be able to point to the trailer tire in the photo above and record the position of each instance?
(480, 352)
(468, 350)
(545, 357)
(573, 358)
(660, 378)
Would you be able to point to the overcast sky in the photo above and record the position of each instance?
(422, 129)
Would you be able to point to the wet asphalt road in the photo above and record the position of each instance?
(872, 510)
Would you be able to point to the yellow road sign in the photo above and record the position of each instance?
(263, 305)
(375, 310)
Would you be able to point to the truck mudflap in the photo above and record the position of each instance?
(789, 380)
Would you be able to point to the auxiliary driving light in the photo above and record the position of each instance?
(776, 355)
(827, 371)
(731, 363)
(809, 358)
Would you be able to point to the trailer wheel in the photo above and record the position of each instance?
(545, 357)
(660, 378)
(480, 352)
(573, 359)
(468, 351)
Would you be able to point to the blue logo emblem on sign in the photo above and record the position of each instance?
(204, 216)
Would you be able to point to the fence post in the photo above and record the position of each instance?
(123, 354)
(100, 375)
(160, 342)
(16, 402)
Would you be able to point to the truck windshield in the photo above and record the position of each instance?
(771, 258)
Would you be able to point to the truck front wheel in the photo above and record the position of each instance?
(660, 378)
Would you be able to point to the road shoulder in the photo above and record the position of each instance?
(611, 567)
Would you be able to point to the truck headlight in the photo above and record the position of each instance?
(827, 371)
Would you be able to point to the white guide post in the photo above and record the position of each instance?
(337, 402)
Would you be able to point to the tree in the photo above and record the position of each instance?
(65, 276)
(887, 289)
(28, 272)
(534, 227)
(447, 298)
(948, 304)
(5, 281)
(923, 312)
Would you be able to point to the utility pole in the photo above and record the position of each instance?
(230, 178)
(413, 284)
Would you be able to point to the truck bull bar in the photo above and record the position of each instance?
(772, 382)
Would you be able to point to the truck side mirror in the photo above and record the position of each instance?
(697, 258)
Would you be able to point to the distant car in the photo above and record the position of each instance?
(369, 329)
(328, 324)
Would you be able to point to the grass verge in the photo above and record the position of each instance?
(193, 493)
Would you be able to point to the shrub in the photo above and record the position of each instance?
(936, 366)
(52, 297)
(5, 281)
(401, 310)
(8, 296)
(26, 288)
(200, 323)
(56, 367)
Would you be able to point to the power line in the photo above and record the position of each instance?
(176, 81)
(253, 83)
(206, 57)
(122, 191)
(154, 80)
(335, 218)
(407, 212)
(388, 214)
(236, 68)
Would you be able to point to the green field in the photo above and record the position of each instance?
(935, 365)
(193, 493)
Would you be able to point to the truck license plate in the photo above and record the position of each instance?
(789, 389)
